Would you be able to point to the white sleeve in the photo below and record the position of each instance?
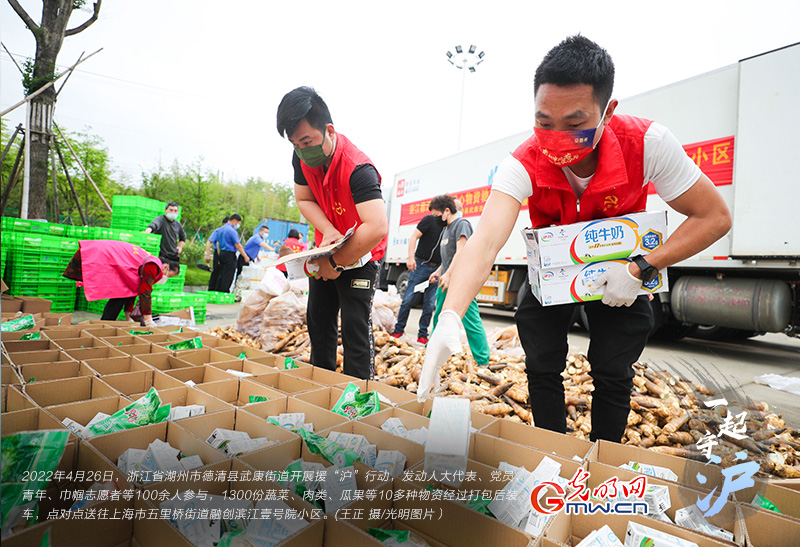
(512, 179)
(666, 163)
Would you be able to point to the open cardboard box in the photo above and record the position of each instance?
(161, 339)
(57, 334)
(204, 425)
(230, 391)
(27, 346)
(32, 304)
(326, 397)
(243, 365)
(142, 349)
(571, 529)
(162, 361)
(14, 399)
(48, 356)
(765, 528)
(137, 383)
(206, 356)
(785, 499)
(284, 382)
(112, 445)
(57, 319)
(215, 342)
(321, 418)
(42, 372)
(410, 420)
(36, 419)
(124, 340)
(83, 411)
(563, 445)
(185, 396)
(452, 526)
(479, 420)
(10, 304)
(615, 454)
(322, 375)
(116, 365)
(680, 496)
(10, 376)
(99, 352)
(198, 374)
(280, 362)
(57, 392)
(82, 343)
(235, 350)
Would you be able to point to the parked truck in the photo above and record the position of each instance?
(738, 123)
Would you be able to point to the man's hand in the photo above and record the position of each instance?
(326, 271)
(246, 259)
(445, 341)
(434, 278)
(622, 287)
(411, 264)
(331, 236)
(207, 258)
(444, 281)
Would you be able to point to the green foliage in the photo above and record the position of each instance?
(192, 253)
(195, 277)
(31, 84)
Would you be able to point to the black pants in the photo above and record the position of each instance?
(227, 260)
(240, 264)
(352, 291)
(216, 272)
(617, 338)
(113, 308)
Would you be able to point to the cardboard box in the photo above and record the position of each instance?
(615, 454)
(32, 304)
(199, 374)
(57, 319)
(491, 451)
(325, 397)
(248, 388)
(571, 529)
(14, 399)
(99, 352)
(10, 304)
(595, 240)
(36, 419)
(244, 365)
(785, 499)
(137, 383)
(57, 392)
(142, 349)
(562, 445)
(82, 343)
(322, 375)
(47, 356)
(215, 342)
(116, 365)
(570, 284)
(321, 418)
(764, 528)
(104, 331)
(285, 383)
(185, 396)
(228, 391)
(235, 350)
(479, 419)
(125, 340)
(10, 376)
(162, 361)
(205, 356)
(42, 372)
(411, 420)
(83, 411)
(280, 362)
(26, 346)
(57, 334)
(453, 526)
(19, 334)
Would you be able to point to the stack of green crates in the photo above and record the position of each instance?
(165, 302)
(217, 297)
(136, 212)
(173, 284)
(36, 263)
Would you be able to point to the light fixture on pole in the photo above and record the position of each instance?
(465, 61)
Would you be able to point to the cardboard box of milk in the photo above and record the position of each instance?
(595, 240)
(447, 447)
(571, 284)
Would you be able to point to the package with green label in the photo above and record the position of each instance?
(191, 343)
(139, 332)
(256, 399)
(395, 538)
(23, 323)
(761, 501)
(31, 336)
(144, 411)
(242, 355)
(28, 460)
(337, 455)
(354, 404)
(289, 364)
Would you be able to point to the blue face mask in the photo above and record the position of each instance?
(237, 226)
(171, 216)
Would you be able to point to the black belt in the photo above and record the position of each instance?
(433, 264)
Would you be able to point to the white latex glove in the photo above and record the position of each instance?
(621, 286)
(149, 322)
(445, 341)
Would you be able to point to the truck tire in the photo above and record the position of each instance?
(713, 332)
(402, 282)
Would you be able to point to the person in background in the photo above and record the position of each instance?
(173, 238)
(423, 259)
(454, 237)
(257, 242)
(295, 241)
(459, 208)
(229, 243)
(582, 163)
(213, 246)
(283, 251)
(336, 188)
(119, 271)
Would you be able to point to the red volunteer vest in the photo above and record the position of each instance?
(331, 190)
(112, 269)
(617, 187)
(294, 244)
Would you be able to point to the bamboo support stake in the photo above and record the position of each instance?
(80, 163)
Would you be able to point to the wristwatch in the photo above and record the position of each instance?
(649, 272)
(334, 265)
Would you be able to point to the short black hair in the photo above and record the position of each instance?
(173, 266)
(171, 204)
(225, 220)
(263, 227)
(578, 60)
(440, 203)
(302, 103)
(234, 216)
(293, 233)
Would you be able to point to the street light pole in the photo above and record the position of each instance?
(464, 61)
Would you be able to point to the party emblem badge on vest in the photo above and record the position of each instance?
(360, 283)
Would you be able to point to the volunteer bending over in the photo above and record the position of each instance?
(119, 271)
(582, 163)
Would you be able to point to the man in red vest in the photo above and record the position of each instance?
(336, 188)
(583, 163)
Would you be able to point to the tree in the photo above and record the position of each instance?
(49, 35)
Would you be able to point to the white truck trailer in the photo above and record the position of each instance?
(739, 123)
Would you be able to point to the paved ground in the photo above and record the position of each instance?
(730, 366)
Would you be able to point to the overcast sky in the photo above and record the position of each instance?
(184, 79)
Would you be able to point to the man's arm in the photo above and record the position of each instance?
(444, 281)
(314, 214)
(266, 246)
(474, 262)
(241, 251)
(708, 219)
(412, 247)
(155, 225)
(148, 230)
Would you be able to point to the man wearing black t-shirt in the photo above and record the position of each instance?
(336, 188)
(423, 259)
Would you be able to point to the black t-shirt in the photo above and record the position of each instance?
(428, 243)
(171, 232)
(364, 182)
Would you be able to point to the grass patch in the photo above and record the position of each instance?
(197, 277)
